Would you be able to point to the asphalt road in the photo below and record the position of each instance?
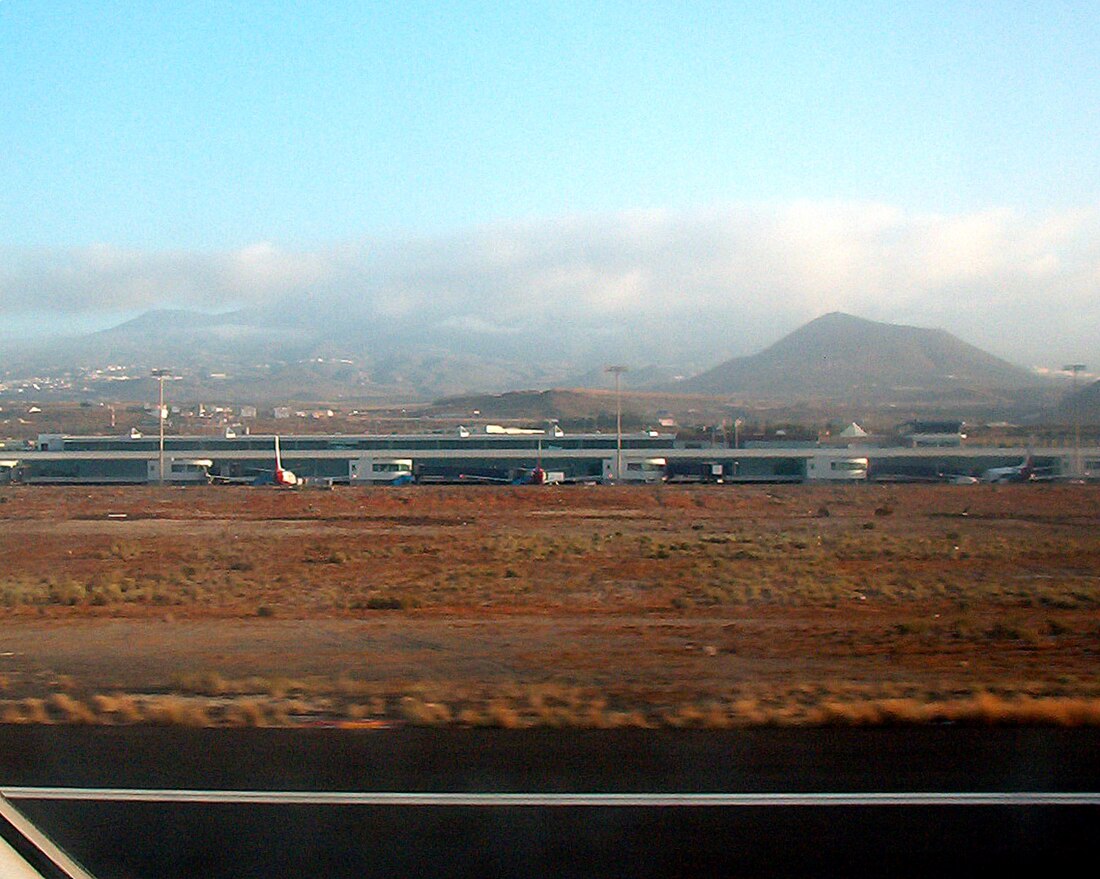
(768, 838)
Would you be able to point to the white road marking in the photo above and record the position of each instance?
(601, 800)
(46, 848)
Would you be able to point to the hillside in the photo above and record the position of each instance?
(839, 356)
(1082, 406)
(255, 356)
(583, 408)
(283, 353)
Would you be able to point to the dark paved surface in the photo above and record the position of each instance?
(161, 840)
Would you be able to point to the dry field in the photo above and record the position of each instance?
(593, 606)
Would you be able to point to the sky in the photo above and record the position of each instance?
(928, 162)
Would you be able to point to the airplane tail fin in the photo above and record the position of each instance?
(1026, 471)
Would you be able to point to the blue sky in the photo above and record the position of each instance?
(208, 128)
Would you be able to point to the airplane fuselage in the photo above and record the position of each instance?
(1023, 473)
(285, 477)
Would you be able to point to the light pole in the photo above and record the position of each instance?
(161, 375)
(618, 371)
(1076, 368)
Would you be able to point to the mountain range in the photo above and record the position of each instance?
(265, 355)
(269, 355)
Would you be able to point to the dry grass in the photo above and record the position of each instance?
(984, 708)
(514, 707)
(69, 710)
(247, 712)
(359, 552)
(517, 711)
(688, 606)
(118, 708)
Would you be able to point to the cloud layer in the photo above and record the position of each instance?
(709, 284)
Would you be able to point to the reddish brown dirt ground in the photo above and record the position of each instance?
(691, 605)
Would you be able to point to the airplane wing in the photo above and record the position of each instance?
(475, 479)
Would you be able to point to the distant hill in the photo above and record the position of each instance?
(292, 351)
(578, 405)
(583, 409)
(1082, 406)
(842, 357)
(636, 377)
(258, 356)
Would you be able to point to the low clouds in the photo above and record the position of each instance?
(708, 284)
(106, 278)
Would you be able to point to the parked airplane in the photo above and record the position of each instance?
(284, 477)
(518, 476)
(280, 477)
(527, 475)
(532, 476)
(1022, 472)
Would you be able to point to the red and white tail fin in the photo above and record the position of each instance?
(282, 477)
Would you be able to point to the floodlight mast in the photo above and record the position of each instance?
(618, 371)
(160, 375)
(1075, 368)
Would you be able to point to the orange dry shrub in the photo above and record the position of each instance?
(989, 708)
(246, 712)
(709, 715)
(34, 711)
(983, 708)
(174, 711)
(70, 710)
(11, 712)
(421, 712)
(501, 713)
(118, 708)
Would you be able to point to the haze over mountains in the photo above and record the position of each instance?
(1082, 407)
(288, 353)
(283, 353)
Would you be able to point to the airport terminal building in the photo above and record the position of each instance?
(500, 456)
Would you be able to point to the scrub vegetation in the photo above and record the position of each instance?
(647, 606)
